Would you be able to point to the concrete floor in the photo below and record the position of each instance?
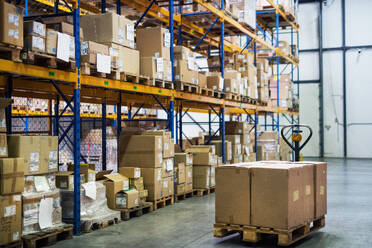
(189, 223)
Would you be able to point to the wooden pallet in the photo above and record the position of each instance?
(232, 96)
(10, 52)
(161, 83)
(207, 92)
(15, 244)
(90, 227)
(127, 214)
(218, 94)
(91, 69)
(163, 202)
(46, 60)
(202, 192)
(133, 78)
(247, 99)
(184, 196)
(187, 87)
(48, 237)
(254, 234)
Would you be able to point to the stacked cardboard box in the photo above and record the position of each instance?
(276, 194)
(285, 91)
(289, 6)
(263, 75)
(135, 182)
(267, 145)
(246, 11)
(215, 81)
(242, 139)
(244, 63)
(11, 21)
(153, 44)
(204, 163)
(184, 168)
(186, 69)
(117, 34)
(34, 36)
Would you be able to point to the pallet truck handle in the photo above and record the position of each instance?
(298, 126)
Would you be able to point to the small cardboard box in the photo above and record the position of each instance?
(136, 183)
(201, 177)
(188, 173)
(233, 196)
(168, 167)
(34, 43)
(10, 219)
(183, 72)
(27, 147)
(11, 176)
(4, 102)
(49, 153)
(114, 184)
(167, 186)
(34, 28)
(124, 58)
(4, 146)
(11, 30)
(202, 80)
(180, 188)
(51, 41)
(140, 150)
(181, 173)
(168, 144)
(90, 49)
(201, 148)
(130, 172)
(126, 199)
(65, 179)
(215, 82)
(153, 42)
(185, 158)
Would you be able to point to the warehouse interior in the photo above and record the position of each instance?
(185, 123)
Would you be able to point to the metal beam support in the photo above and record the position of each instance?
(211, 136)
(200, 126)
(255, 133)
(209, 122)
(321, 97)
(103, 6)
(171, 117)
(64, 132)
(118, 117)
(344, 106)
(138, 110)
(171, 42)
(56, 121)
(8, 110)
(222, 134)
(130, 112)
(144, 14)
(26, 7)
(63, 95)
(104, 137)
(56, 3)
(187, 138)
(161, 105)
(180, 127)
(118, 7)
(206, 33)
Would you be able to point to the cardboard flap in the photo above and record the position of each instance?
(101, 175)
(116, 177)
(4, 102)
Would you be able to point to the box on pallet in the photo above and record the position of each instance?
(167, 186)
(11, 30)
(201, 176)
(114, 184)
(168, 167)
(136, 183)
(88, 170)
(127, 60)
(180, 173)
(215, 81)
(218, 145)
(189, 178)
(130, 172)
(90, 49)
(10, 219)
(154, 42)
(11, 176)
(185, 71)
(152, 178)
(126, 199)
(168, 145)
(156, 68)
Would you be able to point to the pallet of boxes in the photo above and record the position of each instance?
(28, 179)
(284, 199)
(241, 136)
(267, 146)
(153, 153)
(108, 49)
(204, 164)
(183, 164)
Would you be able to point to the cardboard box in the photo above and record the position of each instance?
(204, 158)
(233, 204)
(88, 170)
(201, 149)
(64, 27)
(237, 159)
(156, 68)
(180, 173)
(218, 145)
(185, 72)
(308, 191)
(11, 176)
(89, 51)
(136, 183)
(130, 172)
(126, 199)
(153, 42)
(124, 58)
(140, 151)
(236, 149)
(168, 167)
(65, 179)
(236, 127)
(114, 184)
(108, 28)
(51, 41)
(152, 178)
(234, 139)
(49, 153)
(10, 218)
(215, 82)
(11, 30)
(278, 185)
(34, 43)
(168, 144)
(202, 80)
(185, 158)
(180, 188)
(4, 146)
(167, 186)
(244, 139)
(27, 147)
(34, 28)
(201, 177)
(212, 179)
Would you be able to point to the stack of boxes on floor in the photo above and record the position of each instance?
(267, 145)
(110, 44)
(204, 163)
(183, 173)
(153, 153)
(285, 91)
(153, 44)
(279, 195)
(241, 136)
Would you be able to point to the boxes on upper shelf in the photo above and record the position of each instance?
(90, 49)
(11, 28)
(156, 68)
(153, 42)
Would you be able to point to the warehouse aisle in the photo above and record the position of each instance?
(189, 223)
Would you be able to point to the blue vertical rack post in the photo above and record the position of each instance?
(118, 123)
(222, 111)
(76, 148)
(277, 66)
(171, 43)
(104, 124)
(8, 110)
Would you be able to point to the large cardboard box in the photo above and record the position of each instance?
(204, 158)
(180, 173)
(185, 158)
(4, 146)
(179, 188)
(236, 127)
(49, 153)
(130, 172)
(215, 82)
(27, 147)
(167, 187)
(233, 198)
(308, 191)
(11, 176)
(201, 177)
(277, 199)
(11, 28)
(90, 49)
(218, 145)
(156, 68)
(185, 72)
(152, 178)
(126, 199)
(108, 27)
(168, 144)
(124, 58)
(114, 183)
(140, 151)
(233, 138)
(154, 42)
(320, 173)
(10, 218)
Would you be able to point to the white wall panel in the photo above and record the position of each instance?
(309, 66)
(358, 22)
(332, 29)
(308, 21)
